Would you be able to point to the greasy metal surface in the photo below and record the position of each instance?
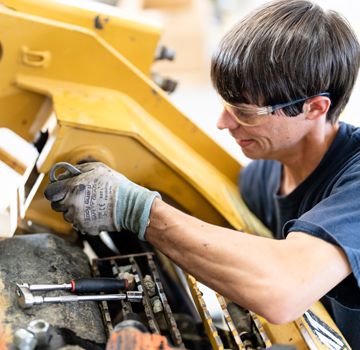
(43, 258)
(260, 329)
(104, 307)
(153, 325)
(230, 323)
(208, 323)
(126, 307)
(140, 265)
(174, 331)
(41, 330)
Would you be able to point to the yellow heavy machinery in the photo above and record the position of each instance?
(76, 86)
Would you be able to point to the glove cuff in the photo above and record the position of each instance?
(132, 209)
(144, 220)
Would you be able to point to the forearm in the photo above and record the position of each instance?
(238, 265)
(278, 279)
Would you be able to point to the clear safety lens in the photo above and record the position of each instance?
(247, 115)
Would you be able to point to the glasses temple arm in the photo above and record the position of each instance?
(272, 109)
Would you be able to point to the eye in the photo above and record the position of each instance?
(244, 113)
(246, 118)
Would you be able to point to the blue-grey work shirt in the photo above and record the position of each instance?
(326, 205)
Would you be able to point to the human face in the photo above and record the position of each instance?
(266, 132)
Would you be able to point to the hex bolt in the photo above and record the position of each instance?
(41, 330)
(156, 305)
(24, 339)
(149, 285)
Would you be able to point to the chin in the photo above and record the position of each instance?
(252, 155)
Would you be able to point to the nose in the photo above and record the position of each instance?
(226, 121)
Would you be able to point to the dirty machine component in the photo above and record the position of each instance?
(157, 316)
(33, 257)
(24, 339)
(41, 330)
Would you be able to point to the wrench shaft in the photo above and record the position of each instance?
(129, 296)
(40, 287)
(71, 298)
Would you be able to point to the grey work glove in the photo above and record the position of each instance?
(101, 199)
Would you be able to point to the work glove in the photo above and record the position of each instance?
(101, 199)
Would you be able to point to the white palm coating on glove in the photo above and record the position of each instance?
(101, 199)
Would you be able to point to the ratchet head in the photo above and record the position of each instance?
(25, 298)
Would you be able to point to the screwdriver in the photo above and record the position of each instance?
(84, 285)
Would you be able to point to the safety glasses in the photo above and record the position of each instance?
(251, 115)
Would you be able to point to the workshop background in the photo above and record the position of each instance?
(193, 28)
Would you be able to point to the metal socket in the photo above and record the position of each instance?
(24, 339)
(41, 330)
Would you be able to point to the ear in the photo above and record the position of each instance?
(316, 107)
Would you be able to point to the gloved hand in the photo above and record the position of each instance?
(101, 199)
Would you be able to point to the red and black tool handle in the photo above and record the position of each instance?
(97, 285)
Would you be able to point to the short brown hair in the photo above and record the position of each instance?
(286, 50)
